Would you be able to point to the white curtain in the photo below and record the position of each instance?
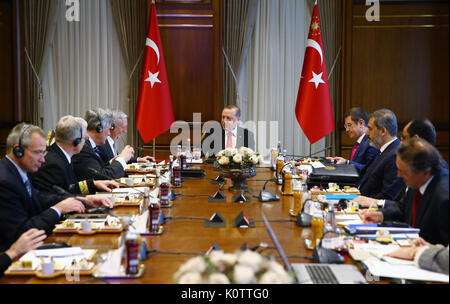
(269, 79)
(83, 67)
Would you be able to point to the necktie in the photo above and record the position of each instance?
(115, 149)
(28, 186)
(416, 202)
(355, 147)
(97, 151)
(230, 140)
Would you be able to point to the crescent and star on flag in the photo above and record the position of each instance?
(315, 31)
(153, 78)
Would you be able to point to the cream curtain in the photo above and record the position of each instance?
(270, 77)
(131, 20)
(84, 67)
(239, 20)
(37, 17)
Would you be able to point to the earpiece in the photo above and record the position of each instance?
(19, 151)
(99, 127)
(78, 140)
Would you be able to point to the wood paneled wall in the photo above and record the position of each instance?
(190, 34)
(400, 63)
(11, 107)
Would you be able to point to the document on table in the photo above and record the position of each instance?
(317, 165)
(408, 272)
(347, 219)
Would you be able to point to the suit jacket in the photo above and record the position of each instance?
(364, 155)
(87, 159)
(245, 138)
(5, 261)
(18, 211)
(106, 154)
(380, 179)
(57, 171)
(432, 214)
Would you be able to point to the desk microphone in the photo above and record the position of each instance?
(267, 196)
(96, 172)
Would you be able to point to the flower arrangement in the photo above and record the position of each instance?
(238, 158)
(242, 267)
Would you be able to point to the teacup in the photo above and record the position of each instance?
(48, 268)
(86, 226)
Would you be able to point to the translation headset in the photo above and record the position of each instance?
(99, 127)
(19, 151)
(113, 126)
(78, 140)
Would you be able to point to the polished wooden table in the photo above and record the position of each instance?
(190, 236)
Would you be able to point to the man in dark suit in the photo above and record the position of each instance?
(88, 164)
(380, 179)
(417, 128)
(425, 205)
(108, 151)
(58, 169)
(22, 207)
(363, 153)
(230, 136)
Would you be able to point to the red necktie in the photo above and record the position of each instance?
(416, 202)
(355, 146)
(230, 140)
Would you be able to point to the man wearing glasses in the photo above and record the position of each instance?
(22, 206)
(356, 120)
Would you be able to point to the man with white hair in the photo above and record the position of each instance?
(70, 137)
(22, 206)
(108, 151)
(88, 163)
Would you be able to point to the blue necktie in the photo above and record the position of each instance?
(28, 186)
(97, 151)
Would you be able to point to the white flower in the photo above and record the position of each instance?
(237, 158)
(224, 160)
(190, 278)
(254, 159)
(244, 275)
(218, 278)
(222, 260)
(260, 158)
(278, 270)
(270, 277)
(230, 151)
(251, 259)
(196, 264)
(220, 154)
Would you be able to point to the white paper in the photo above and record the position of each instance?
(59, 252)
(194, 161)
(111, 267)
(139, 223)
(408, 272)
(135, 190)
(317, 164)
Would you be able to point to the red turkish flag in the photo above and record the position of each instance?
(154, 114)
(313, 108)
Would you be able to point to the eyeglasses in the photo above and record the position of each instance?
(346, 126)
(39, 153)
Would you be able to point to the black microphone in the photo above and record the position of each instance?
(323, 255)
(94, 171)
(60, 190)
(267, 196)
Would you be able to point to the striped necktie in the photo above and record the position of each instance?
(97, 151)
(28, 186)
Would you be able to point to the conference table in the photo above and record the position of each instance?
(184, 238)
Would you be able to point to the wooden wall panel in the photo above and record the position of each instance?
(10, 112)
(190, 34)
(400, 63)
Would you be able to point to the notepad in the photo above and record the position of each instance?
(408, 272)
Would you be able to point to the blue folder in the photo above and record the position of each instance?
(336, 197)
(362, 229)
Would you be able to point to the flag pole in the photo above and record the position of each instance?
(154, 150)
